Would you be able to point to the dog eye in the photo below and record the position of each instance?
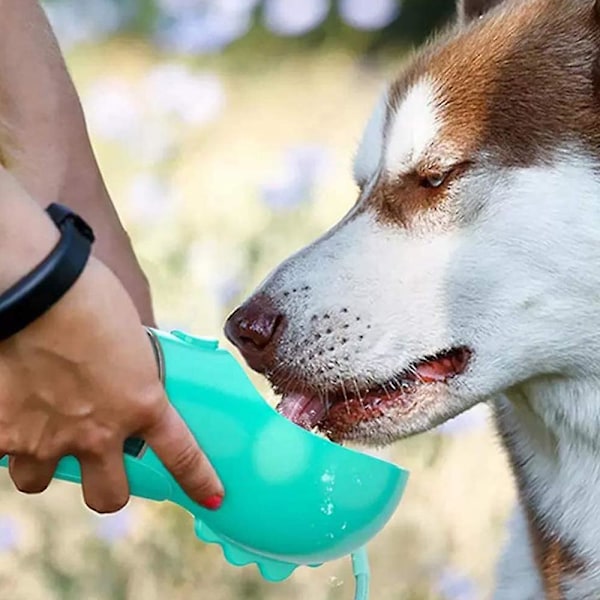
(433, 180)
(436, 179)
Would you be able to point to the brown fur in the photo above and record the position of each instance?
(556, 561)
(511, 87)
(473, 9)
(518, 81)
(400, 201)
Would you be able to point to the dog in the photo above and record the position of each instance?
(467, 271)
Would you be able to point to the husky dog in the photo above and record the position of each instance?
(467, 270)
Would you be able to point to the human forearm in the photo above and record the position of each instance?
(27, 235)
(85, 192)
(44, 140)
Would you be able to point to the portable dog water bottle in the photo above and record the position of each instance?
(292, 497)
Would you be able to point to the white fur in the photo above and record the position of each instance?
(414, 127)
(556, 427)
(367, 159)
(364, 253)
(516, 572)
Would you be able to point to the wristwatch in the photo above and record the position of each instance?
(39, 290)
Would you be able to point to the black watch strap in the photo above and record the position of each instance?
(37, 292)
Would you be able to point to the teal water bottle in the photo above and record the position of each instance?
(292, 497)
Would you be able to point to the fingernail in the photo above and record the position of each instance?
(213, 503)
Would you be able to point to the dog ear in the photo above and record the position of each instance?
(473, 9)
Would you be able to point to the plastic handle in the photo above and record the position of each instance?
(150, 483)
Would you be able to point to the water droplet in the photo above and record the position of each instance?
(328, 477)
(327, 509)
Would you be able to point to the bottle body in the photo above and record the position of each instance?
(291, 497)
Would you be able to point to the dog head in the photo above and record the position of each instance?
(460, 271)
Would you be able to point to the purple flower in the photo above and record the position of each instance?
(9, 533)
(116, 526)
(182, 7)
(311, 160)
(369, 14)
(194, 97)
(293, 185)
(285, 191)
(453, 585)
(468, 421)
(294, 17)
(149, 198)
(204, 31)
(112, 111)
(76, 22)
(232, 6)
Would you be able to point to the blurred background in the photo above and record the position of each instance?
(225, 130)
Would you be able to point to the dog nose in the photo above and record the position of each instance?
(252, 328)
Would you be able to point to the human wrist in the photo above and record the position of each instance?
(27, 234)
(96, 296)
(46, 284)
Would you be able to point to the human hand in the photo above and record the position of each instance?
(79, 381)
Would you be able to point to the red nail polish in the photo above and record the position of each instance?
(213, 503)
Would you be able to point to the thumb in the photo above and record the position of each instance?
(178, 450)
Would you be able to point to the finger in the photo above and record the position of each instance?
(104, 482)
(31, 475)
(176, 447)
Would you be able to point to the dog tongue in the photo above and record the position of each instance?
(436, 370)
(305, 411)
